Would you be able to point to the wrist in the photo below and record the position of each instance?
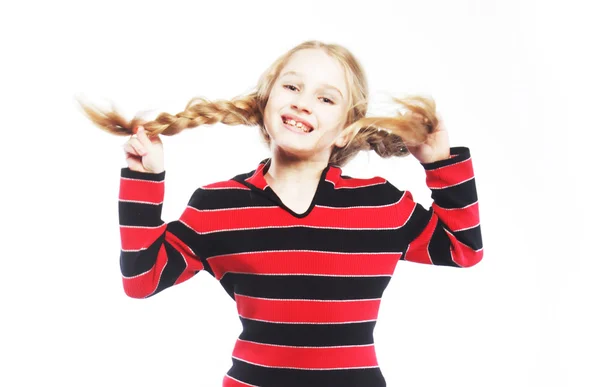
(445, 156)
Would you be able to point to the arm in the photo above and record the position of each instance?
(449, 233)
(154, 255)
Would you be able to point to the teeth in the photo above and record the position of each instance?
(299, 125)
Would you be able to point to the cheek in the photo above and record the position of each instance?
(274, 104)
(332, 119)
(271, 116)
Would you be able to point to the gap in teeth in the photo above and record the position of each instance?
(299, 125)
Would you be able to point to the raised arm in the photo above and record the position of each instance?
(154, 255)
(449, 233)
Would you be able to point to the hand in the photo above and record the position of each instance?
(144, 154)
(436, 146)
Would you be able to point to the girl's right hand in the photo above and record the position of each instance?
(144, 154)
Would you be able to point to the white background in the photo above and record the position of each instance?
(515, 81)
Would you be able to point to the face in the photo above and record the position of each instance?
(311, 89)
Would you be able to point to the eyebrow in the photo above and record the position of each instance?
(327, 86)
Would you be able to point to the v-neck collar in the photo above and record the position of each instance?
(328, 180)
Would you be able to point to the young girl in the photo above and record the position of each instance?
(305, 251)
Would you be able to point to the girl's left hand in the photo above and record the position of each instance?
(436, 147)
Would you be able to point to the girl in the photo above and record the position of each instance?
(304, 251)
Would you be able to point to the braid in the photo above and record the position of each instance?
(242, 110)
(388, 136)
(384, 143)
(200, 111)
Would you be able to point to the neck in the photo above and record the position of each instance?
(284, 170)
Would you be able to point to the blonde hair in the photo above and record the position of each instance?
(387, 136)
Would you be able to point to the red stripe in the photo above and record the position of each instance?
(305, 357)
(258, 179)
(359, 183)
(460, 218)
(306, 311)
(141, 190)
(449, 175)
(143, 285)
(226, 184)
(251, 217)
(299, 262)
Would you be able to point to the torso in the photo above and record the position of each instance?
(307, 283)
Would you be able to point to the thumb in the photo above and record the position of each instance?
(142, 136)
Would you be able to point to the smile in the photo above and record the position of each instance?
(294, 126)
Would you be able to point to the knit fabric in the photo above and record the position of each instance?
(307, 286)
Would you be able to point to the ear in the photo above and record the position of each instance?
(342, 140)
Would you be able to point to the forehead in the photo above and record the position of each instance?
(316, 66)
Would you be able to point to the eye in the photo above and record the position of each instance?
(294, 88)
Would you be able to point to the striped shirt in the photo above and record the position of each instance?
(307, 286)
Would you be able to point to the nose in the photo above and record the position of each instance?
(301, 104)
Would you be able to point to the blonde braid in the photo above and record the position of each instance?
(243, 110)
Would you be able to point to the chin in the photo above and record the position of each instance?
(291, 150)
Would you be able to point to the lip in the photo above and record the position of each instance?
(298, 119)
(295, 129)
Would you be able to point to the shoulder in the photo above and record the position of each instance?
(219, 194)
(374, 190)
(372, 184)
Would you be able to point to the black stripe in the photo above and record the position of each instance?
(307, 286)
(300, 238)
(416, 224)
(374, 195)
(137, 262)
(439, 247)
(457, 196)
(279, 377)
(126, 172)
(310, 335)
(139, 214)
(190, 238)
(174, 268)
(132, 265)
(471, 237)
(462, 152)
(217, 199)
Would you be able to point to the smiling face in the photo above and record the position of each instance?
(306, 109)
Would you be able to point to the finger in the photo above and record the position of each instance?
(133, 163)
(143, 137)
(133, 147)
(137, 147)
(129, 150)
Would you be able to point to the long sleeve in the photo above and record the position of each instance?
(154, 255)
(449, 233)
